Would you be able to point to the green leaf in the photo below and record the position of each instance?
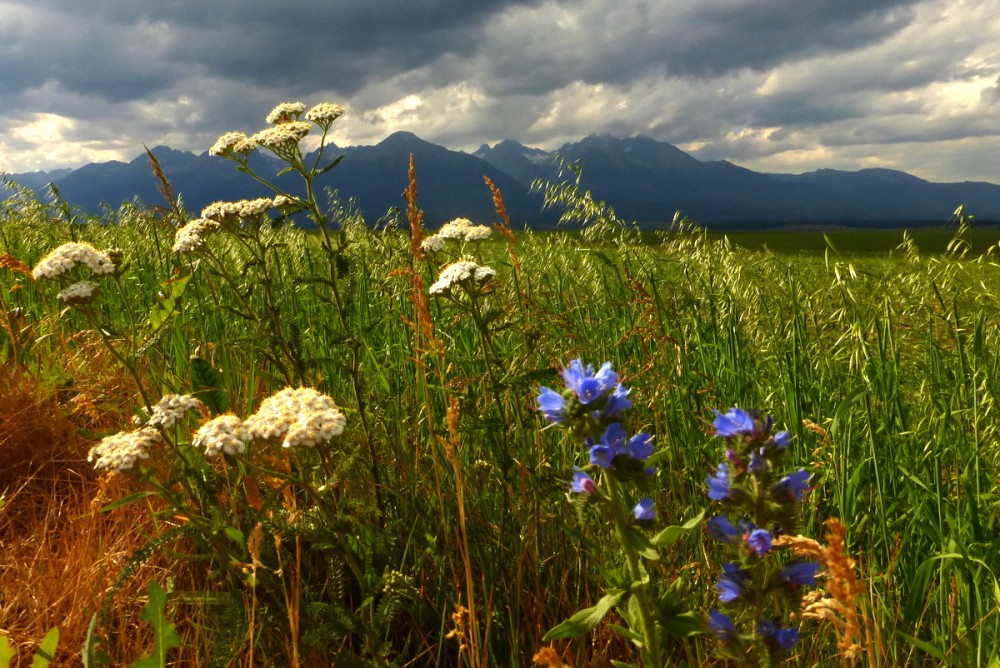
(7, 652)
(173, 289)
(91, 656)
(586, 619)
(235, 534)
(926, 647)
(206, 383)
(683, 625)
(165, 633)
(672, 534)
(627, 633)
(46, 652)
(638, 542)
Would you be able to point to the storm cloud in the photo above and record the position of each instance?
(775, 85)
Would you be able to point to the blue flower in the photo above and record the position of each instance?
(781, 439)
(614, 437)
(722, 530)
(588, 385)
(734, 423)
(787, 638)
(719, 484)
(552, 404)
(797, 573)
(757, 462)
(601, 455)
(732, 582)
(582, 483)
(759, 540)
(645, 510)
(722, 626)
(792, 485)
(617, 402)
(766, 628)
(640, 446)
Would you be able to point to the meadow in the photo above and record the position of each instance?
(432, 521)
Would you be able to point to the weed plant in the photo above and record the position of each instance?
(438, 528)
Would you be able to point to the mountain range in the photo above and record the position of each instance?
(643, 179)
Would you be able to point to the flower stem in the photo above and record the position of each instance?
(640, 589)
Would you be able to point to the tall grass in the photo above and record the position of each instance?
(885, 369)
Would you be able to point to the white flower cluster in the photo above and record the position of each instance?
(286, 202)
(432, 244)
(465, 272)
(325, 113)
(66, 257)
(224, 433)
(232, 142)
(299, 416)
(171, 409)
(282, 135)
(285, 112)
(121, 451)
(192, 236)
(463, 229)
(244, 208)
(78, 293)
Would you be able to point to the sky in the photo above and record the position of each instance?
(772, 85)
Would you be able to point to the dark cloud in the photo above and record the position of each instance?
(738, 79)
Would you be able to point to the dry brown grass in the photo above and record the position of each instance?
(60, 556)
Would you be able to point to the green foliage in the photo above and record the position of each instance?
(165, 635)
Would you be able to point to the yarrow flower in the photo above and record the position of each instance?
(231, 143)
(298, 416)
(463, 229)
(466, 272)
(80, 292)
(192, 236)
(122, 450)
(285, 112)
(172, 408)
(325, 113)
(225, 433)
(432, 244)
(282, 137)
(68, 256)
(230, 212)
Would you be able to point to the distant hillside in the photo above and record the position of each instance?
(643, 179)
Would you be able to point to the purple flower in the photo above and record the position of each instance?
(797, 573)
(601, 455)
(552, 404)
(722, 530)
(718, 484)
(732, 582)
(645, 510)
(759, 540)
(617, 402)
(640, 446)
(722, 626)
(588, 385)
(792, 485)
(781, 439)
(734, 423)
(582, 483)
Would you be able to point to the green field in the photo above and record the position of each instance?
(438, 528)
